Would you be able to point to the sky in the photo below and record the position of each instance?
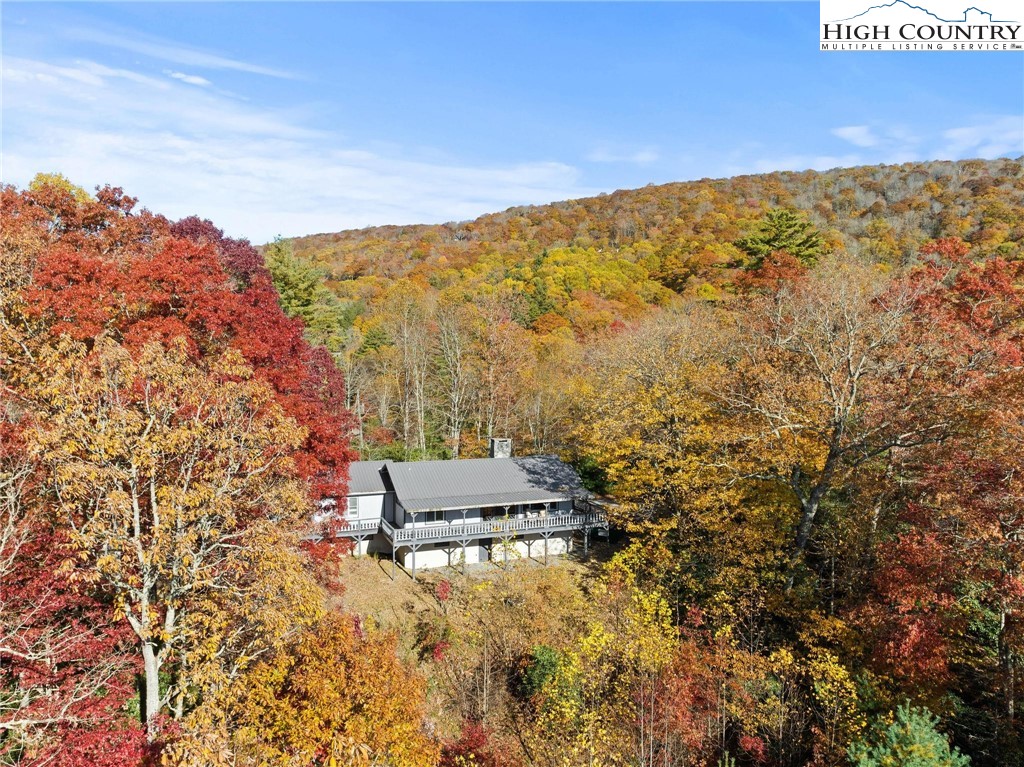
(298, 118)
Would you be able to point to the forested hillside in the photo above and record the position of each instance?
(681, 233)
(803, 392)
(806, 393)
(451, 333)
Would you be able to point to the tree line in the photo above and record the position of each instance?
(814, 449)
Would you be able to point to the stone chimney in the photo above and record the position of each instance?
(501, 448)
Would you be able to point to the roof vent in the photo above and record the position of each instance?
(501, 448)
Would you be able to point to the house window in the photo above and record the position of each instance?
(426, 517)
(352, 509)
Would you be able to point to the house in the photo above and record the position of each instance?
(451, 513)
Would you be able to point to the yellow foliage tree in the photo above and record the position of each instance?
(651, 417)
(163, 470)
(335, 694)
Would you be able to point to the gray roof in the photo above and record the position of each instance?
(476, 482)
(365, 478)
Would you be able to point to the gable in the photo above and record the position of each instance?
(365, 478)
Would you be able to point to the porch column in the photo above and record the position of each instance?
(413, 547)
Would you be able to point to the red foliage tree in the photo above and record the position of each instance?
(948, 593)
(136, 277)
(65, 664)
(90, 269)
(474, 746)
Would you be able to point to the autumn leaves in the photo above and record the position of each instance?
(816, 454)
(166, 431)
(826, 469)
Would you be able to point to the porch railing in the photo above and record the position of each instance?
(457, 530)
(359, 527)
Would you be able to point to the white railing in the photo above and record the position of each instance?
(501, 527)
(354, 527)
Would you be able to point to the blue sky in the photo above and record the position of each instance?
(293, 118)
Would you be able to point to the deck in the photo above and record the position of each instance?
(457, 531)
(462, 533)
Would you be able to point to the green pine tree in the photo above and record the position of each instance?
(304, 295)
(912, 739)
(540, 669)
(786, 230)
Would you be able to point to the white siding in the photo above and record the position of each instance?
(450, 555)
(532, 547)
(368, 507)
(429, 556)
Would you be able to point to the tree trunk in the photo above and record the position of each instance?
(151, 678)
(808, 511)
(1007, 661)
(810, 502)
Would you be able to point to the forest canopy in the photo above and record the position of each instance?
(417, 316)
(802, 395)
(166, 434)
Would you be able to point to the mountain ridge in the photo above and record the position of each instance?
(882, 211)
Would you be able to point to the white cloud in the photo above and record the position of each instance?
(858, 135)
(893, 143)
(169, 51)
(190, 79)
(606, 154)
(253, 171)
(986, 138)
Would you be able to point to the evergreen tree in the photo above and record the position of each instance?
(911, 740)
(540, 669)
(784, 230)
(303, 294)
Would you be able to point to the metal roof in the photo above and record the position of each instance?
(476, 482)
(365, 478)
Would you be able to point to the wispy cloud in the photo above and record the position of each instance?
(799, 162)
(254, 171)
(165, 50)
(606, 154)
(892, 143)
(986, 137)
(190, 79)
(858, 135)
